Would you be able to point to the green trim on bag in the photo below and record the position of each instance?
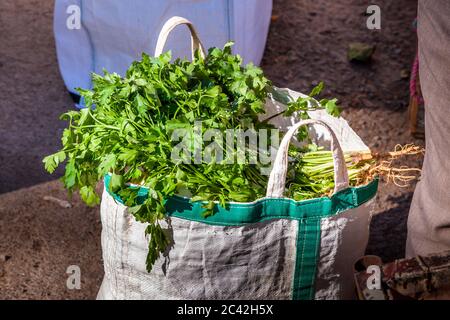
(307, 252)
(237, 214)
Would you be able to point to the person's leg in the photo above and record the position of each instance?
(429, 216)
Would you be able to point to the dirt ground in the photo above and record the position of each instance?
(307, 43)
(40, 240)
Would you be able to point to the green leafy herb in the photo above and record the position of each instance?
(128, 127)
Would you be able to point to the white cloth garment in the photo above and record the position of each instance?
(114, 33)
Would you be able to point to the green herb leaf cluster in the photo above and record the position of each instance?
(126, 131)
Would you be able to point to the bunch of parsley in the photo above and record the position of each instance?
(125, 131)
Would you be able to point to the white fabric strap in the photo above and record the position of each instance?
(277, 179)
(169, 26)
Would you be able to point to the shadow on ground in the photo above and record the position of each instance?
(388, 230)
(33, 93)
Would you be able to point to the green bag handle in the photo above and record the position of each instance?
(170, 24)
(277, 178)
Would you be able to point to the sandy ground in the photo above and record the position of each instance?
(42, 240)
(307, 43)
